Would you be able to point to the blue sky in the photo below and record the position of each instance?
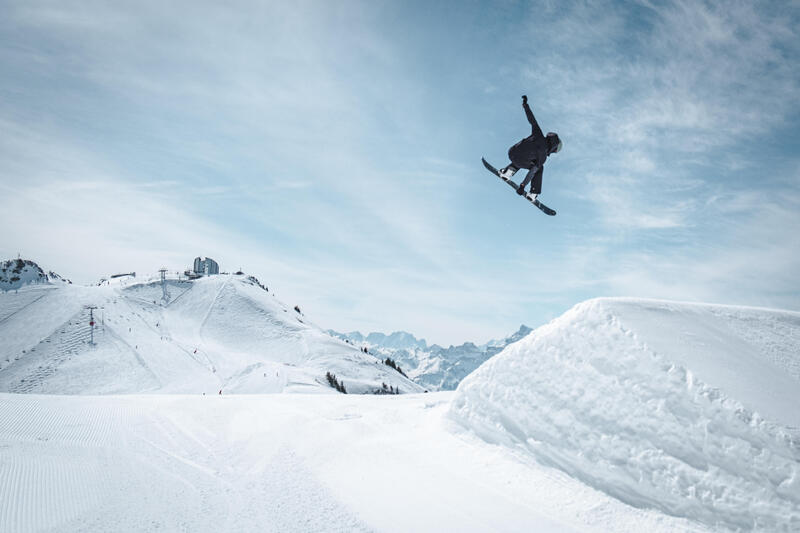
(333, 150)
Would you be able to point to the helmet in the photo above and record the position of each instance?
(554, 143)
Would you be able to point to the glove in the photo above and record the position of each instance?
(524, 99)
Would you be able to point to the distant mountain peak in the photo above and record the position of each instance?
(16, 273)
(399, 340)
(433, 367)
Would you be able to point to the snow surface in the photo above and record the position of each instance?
(220, 332)
(687, 408)
(621, 415)
(279, 462)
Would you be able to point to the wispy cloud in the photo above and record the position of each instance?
(667, 110)
(333, 149)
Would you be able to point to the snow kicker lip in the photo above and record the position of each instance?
(587, 395)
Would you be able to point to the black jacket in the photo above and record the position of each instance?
(531, 151)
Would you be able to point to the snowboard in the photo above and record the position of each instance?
(543, 208)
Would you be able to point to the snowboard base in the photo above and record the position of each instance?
(543, 208)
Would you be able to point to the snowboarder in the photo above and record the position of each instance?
(531, 153)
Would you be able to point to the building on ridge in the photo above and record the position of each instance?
(204, 266)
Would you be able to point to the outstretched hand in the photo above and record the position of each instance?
(524, 99)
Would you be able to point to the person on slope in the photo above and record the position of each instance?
(531, 153)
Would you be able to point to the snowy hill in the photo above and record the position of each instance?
(16, 273)
(620, 416)
(433, 367)
(686, 408)
(220, 332)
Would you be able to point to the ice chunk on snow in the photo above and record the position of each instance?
(655, 404)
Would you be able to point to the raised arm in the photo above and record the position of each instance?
(535, 129)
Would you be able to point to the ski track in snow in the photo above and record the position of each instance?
(288, 477)
(212, 304)
(42, 489)
(19, 302)
(104, 466)
(44, 360)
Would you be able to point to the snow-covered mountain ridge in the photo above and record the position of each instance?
(218, 332)
(433, 367)
(16, 273)
(686, 408)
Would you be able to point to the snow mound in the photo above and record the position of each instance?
(687, 408)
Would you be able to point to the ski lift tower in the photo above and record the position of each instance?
(91, 309)
(164, 293)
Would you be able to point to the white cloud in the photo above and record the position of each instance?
(306, 144)
(663, 106)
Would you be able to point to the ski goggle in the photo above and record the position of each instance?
(550, 136)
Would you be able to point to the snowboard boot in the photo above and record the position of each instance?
(508, 172)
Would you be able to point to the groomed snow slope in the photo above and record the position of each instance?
(691, 409)
(279, 462)
(221, 332)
